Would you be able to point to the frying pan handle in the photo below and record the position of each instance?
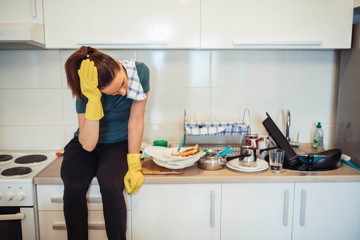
(241, 156)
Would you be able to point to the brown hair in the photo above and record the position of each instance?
(106, 66)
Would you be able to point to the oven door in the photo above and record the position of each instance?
(17, 223)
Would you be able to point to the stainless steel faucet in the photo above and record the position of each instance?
(288, 122)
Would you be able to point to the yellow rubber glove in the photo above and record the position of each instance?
(134, 177)
(89, 87)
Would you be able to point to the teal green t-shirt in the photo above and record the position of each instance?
(114, 124)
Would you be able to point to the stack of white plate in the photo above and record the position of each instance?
(261, 165)
(162, 157)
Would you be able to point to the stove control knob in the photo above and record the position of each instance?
(20, 196)
(9, 196)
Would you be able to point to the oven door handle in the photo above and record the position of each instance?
(88, 199)
(11, 217)
(92, 226)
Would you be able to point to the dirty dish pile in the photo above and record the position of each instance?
(234, 164)
(163, 157)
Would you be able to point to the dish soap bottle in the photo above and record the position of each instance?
(318, 141)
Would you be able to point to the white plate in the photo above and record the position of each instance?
(170, 166)
(164, 153)
(184, 162)
(260, 166)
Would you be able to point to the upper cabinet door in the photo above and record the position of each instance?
(21, 11)
(276, 24)
(122, 24)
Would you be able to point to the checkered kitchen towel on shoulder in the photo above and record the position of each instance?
(135, 90)
(216, 128)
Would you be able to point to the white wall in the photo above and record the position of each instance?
(37, 111)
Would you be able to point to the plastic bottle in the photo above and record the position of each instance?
(318, 141)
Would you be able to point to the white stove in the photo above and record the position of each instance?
(17, 171)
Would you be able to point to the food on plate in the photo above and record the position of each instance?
(186, 152)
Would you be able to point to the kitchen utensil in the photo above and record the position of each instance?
(225, 151)
(181, 144)
(170, 166)
(250, 139)
(241, 156)
(235, 165)
(250, 159)
(276, 160)
(164, 154)
(291, 158)
(211, 161)
(322, 160)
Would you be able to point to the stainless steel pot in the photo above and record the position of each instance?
(212, 162)
(250, 159)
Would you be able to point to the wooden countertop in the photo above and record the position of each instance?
(193, 174)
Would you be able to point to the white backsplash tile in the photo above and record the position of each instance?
(31, 137)
(37, 110)
(69, 111)
(309, 69)
(247, 69)
(169, 132)
(167, 105)
(177, 68)
(29, 69)
(31, 107)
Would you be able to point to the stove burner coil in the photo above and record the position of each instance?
(5, 157)
(35, 158)
(16, 171)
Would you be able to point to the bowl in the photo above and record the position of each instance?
(212, 162)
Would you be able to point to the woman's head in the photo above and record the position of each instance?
(107, 68)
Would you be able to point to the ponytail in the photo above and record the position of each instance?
(106, 66)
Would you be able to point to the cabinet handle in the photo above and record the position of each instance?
(286, 208)
(33, 8)
(88, 199)
(212, 209)
(106, 43)
(92, 226)
(302, 208)
(11, 217)
(276, 43)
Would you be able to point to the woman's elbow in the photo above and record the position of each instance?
(88, 148)
(86, 145)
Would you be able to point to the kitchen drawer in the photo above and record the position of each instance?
(50, 197)
(52, 225)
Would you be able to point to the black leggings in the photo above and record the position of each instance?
(108, 163)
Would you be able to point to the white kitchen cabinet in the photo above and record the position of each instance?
(276, 24)
(52, 225)
(21, 21)
(122, 24)
(176, 212)
(312, 211)
(327, 211)
(257, 211)
(21, 11)
(51, 218)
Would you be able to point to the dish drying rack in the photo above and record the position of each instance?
(217, 135)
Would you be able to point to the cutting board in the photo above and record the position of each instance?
(150, 168)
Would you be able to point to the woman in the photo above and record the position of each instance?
(110, 102)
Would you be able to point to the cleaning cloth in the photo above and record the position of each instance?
(346, 159)
(135, 90)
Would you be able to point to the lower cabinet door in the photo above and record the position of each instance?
(52, 225)
(176, 212)
(257, 211)
(327, 211)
